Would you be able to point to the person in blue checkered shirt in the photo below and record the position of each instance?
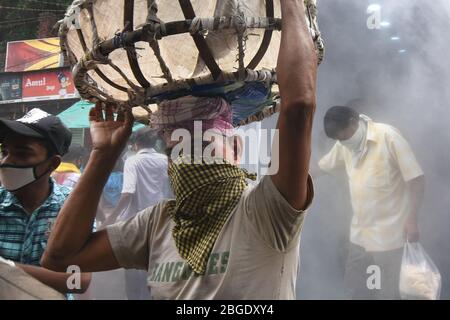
(31, 149)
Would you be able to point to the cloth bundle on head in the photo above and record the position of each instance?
(214, 113)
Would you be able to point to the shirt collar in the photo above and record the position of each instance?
(146, 150)
(371, 131)
(7, 199)
(10, 200)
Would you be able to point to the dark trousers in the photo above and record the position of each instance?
(359, 271)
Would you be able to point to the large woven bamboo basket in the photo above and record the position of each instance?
(134, 53)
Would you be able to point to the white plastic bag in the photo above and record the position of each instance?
(419, 277)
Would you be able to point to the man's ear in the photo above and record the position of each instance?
(55, 162)
(355, 123)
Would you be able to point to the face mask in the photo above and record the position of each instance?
(355, 143)
(14, 178)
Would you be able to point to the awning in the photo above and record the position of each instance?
(77, 116)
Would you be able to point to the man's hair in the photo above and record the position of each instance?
(338, 118)
(76, 152)
(146, 138)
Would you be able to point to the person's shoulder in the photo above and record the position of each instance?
(61, 191)
(160, 209)
(251, 188)
(157, 213)
(156, 155)
(4, 195)
(155, 159)
(131, 160)
(388, 132)
(3, 191)
(386, 128)
(162, 157)
(145, 158)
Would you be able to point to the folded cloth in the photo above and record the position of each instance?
(214, 113)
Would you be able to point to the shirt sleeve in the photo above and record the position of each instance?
(406, 160)
(129, 177)
(130, 240)
(333, 160)
(276, 222)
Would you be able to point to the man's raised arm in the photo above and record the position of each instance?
(72, 240)
(297, 72)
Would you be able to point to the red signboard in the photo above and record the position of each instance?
(48, 85)
(32, 55)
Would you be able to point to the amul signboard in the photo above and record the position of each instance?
(48, 85)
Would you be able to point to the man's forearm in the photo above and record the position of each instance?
(56, 280)
(416, 189)
(296, 72)
(297, 62)
(74, 223)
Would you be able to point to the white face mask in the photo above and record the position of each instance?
(14, 178)
(355, 143)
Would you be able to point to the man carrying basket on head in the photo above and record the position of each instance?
(218, 239)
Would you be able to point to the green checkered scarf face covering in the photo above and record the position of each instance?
(206, 194)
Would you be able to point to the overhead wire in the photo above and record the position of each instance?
(31, 9)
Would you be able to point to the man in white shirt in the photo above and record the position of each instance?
(386, 188)
(145, 183)
(145, 180)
